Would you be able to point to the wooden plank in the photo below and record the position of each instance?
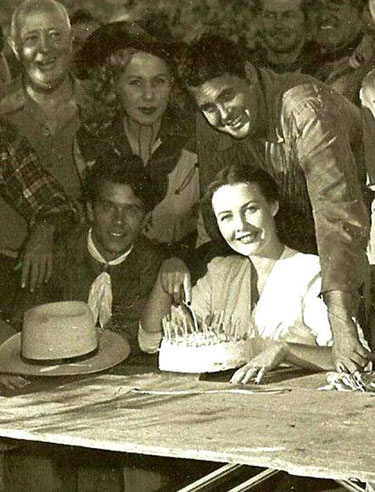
(305, 432)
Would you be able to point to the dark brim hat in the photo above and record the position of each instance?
(112, 349)
(115, 36)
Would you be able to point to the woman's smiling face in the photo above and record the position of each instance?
(144, 88)
(245, 218)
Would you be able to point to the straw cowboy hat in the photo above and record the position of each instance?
(60, 339)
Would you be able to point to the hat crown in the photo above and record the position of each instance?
(115, 36)
(58, 330)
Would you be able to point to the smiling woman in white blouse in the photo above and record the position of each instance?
(270, 288)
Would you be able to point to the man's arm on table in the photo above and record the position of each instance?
(341, 221)
(38, 197)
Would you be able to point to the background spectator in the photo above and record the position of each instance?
(82, 24)
(338, 28)
(283, 31)
(186, 19)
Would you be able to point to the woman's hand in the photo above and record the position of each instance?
(175, 280)
(267, 360)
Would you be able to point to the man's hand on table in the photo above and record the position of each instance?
(37, 257)
(348, 353)
(175, 280)
(11, 382)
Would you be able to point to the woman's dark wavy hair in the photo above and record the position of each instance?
(235, 174)
(210, 57)
(118, 168)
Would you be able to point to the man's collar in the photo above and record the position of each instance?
(270, 87)
(15, 96)
(95, 253)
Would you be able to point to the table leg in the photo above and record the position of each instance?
(211, 478)
(348, 485)
(226, 472)
(255, 481)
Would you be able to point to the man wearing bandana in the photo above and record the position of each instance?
(109, 265)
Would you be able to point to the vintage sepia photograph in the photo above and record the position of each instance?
(187, 245)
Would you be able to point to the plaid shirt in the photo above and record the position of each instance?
(25, 184)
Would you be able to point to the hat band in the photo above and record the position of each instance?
(68, 360)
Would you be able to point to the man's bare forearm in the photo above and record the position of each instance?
(342, 306)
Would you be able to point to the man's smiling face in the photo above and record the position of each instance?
(117, 216)
(337, 23)
(43, 46)
(229, 103)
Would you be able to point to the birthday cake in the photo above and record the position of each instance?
(210, 347)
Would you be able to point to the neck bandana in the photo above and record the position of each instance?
(100, 295)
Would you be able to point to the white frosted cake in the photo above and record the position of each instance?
(211, 348)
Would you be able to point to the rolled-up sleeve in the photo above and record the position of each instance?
(341, 220)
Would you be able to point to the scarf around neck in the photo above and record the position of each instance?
(100, 295)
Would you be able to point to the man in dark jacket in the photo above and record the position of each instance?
(110, 264)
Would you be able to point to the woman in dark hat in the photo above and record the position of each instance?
(135, 111)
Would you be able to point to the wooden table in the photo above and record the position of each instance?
(303, 431)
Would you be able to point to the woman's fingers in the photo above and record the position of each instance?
(251, 374)
(248, 372)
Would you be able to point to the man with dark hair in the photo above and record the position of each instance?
(110, 265)
(306, 137)
(283, 31)
(338, 29)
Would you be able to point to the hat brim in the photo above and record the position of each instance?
(112, 349)
(115, 36)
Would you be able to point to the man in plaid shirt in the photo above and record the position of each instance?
(30, 192)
